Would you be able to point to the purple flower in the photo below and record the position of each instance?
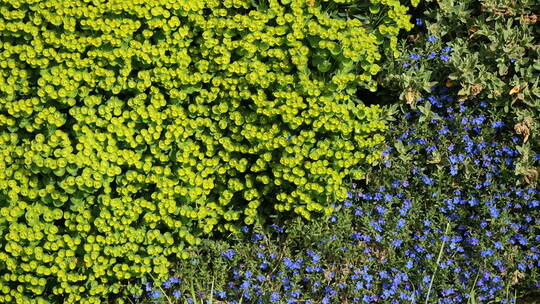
(148, 286)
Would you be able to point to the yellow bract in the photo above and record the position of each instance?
(131, 128)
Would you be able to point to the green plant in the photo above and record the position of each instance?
(129, 129)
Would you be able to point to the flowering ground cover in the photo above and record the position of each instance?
(280, 151)
(437, 221)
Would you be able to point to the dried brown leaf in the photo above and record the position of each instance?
(532, 176)
(476, 89)
(516, 276)
(409, 96)
(413, 38)
(529, 19)
(514, 90)
(522, 128)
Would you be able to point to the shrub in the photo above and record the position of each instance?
(495, 53)
(130, 128)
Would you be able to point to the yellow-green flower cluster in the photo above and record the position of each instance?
(128, 129)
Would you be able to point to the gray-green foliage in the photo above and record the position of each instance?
(495, 58)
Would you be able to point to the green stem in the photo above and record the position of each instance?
(438, 261)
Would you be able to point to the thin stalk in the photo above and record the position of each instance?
(438, 261)
(471, 293)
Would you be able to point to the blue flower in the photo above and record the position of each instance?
(487, 252)
(314, 257)
(277, 228)
(244, 229)
(256, 237)
(155, 294)
(493, 212)
(229, 254)
(415, 56)
(274, 297)
(427, 180)
(419, 22)
(447, 49)
(406, 64)
(148, 286)
(445, 58)
(409, 264)
(432, 39)
(444, 130)
(171, 281)
(245, 285)
(177, 294)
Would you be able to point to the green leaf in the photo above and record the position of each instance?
(374, 9)
(59, 172)
(324, 66)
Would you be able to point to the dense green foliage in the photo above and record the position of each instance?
(128, 129)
